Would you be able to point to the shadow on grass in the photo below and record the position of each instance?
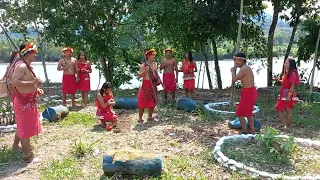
(10, 161)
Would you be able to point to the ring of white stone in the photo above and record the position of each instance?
(210, 107)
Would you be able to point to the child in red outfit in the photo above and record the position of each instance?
(287, 97)
(249, 92)
(104, 103)
(83, 84)
(188, 68)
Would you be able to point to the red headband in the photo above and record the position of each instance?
(150, 53)
(67, 49)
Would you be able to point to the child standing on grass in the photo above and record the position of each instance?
(288, 96)
(105, 102)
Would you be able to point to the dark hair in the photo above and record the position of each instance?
(190, 56)
(105, 86)
(13, 55)
(292, 66)
(85, 56)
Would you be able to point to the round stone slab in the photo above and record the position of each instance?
(250, 171)
(210, 107)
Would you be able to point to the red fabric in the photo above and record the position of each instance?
(105, 114)
(189, 84)
(189, 78)
(145, 95)
(248, 99)
(285, 86)
(69, 85)
(169, 82)
(84, 81)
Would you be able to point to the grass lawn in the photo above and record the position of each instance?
(74, 147)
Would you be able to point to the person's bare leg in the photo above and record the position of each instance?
(64, 97)
(289, 117)
(103, 124)
(243, 125)
(282, 120)
(115, 123)
(85, 99)
(192, 94)
(16, 141)
(73, 97)
(141, 111)
(82, 95)
(187, 93)
(173, 95)
(150, 112)
(165, 95)
(26, 150)
(251, 125)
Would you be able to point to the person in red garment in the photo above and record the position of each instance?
(105, 102)
(13, 57)
(288, 96)
(69, 66)
(83, 84)
(169, 66)
(25, 106)
(146, 99)
(249, 92)
(189, 67)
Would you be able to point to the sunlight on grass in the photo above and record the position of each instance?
(65, 169)
(76, 118)
(7, 155)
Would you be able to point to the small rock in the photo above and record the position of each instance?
(220, 142)
(233, 168)
(171, 134)
(240, 165)
(308, 178)
(232, 162)
(219, 160)
(96, 152)
(264, 174)
(292, 177)
(220, 154)
(225, 159)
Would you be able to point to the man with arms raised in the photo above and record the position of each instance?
(69, 67)
(25, 106)
(249, 92)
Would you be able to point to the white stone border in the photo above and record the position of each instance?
(209, 108)
(13, 128)
(243, 169)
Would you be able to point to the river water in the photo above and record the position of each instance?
(259, 70)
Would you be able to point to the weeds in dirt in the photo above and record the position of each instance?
(7, 155)
(81, 149)
(77, 118)
(65, 169)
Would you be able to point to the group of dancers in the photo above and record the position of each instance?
(23, 86)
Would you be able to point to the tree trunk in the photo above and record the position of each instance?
(106, 69)
(216, 63)
(315, 62)
(276, 11)
(237, 50)
(294, 30)
(199, 70)
(42, 54)
(206, 62)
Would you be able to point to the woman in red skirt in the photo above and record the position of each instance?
(288, 96)
(188, 68)
(84, 77)
(104, 102)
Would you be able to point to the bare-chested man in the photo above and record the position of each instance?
(169, 65)
(25, 101)
(69, 66)
(146, 97)
(249, 92)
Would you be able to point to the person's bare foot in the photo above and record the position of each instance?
(279, 126)
(28, 158)
(140, 121)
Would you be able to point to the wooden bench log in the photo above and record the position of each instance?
(132, 162)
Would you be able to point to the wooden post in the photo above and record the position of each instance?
(315, 62)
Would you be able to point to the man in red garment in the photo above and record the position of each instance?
(169, 66)
(249, 92)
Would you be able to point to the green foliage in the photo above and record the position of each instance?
(277, 145)
(7, 155)
(63, 169)
(77, 118)
(81, 150)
